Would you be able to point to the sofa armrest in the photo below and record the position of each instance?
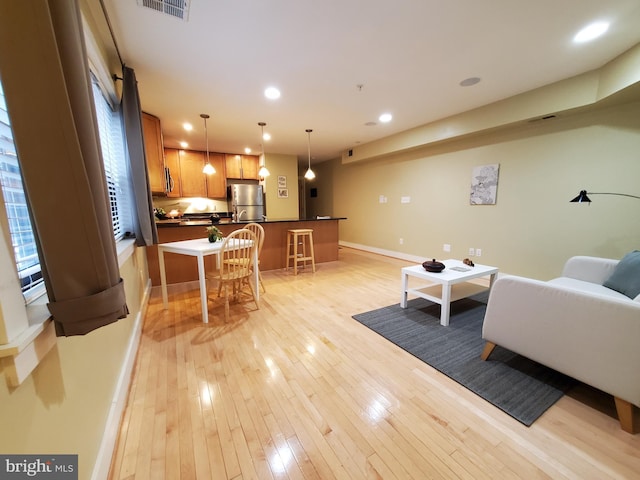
(589, 269)
(591, 338)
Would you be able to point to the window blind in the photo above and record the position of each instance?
(112, 145)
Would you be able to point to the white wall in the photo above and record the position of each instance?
(533, 228)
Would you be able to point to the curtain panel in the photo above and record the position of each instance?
(45, 73)
(144, 223)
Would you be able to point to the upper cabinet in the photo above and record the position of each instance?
(184, 170)
(242, 166)
(154, 153)
(193, 181)
(217, 183)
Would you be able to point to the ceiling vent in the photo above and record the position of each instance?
(175, 8)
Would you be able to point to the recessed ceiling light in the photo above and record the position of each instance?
(184, 144)
(385, 117)
(591, 32)
(187, 126)
(272, 93)
(467, 82)
(247, 150)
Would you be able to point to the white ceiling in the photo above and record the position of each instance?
(409, 55)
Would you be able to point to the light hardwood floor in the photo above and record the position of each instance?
(298, 389)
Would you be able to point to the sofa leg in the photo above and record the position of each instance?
(488, 348)
(625, 415)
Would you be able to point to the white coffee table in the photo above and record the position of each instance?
(447, 286)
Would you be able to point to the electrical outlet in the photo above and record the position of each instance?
(446, 247)
(472, 252)
(478, 252)
(402, 241)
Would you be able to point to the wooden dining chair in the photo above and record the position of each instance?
(258, 230)
(235, 267)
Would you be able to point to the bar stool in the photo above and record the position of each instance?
(300, 236)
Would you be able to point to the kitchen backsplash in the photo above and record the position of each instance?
(191, 205)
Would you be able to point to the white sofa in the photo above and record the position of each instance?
(574, 325)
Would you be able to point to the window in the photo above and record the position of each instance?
(112, 144)
(22, 239)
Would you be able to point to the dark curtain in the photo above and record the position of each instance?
(143, 220)
(44, 70)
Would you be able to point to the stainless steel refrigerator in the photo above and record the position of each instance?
(247, 202)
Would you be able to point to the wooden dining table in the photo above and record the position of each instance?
(199, 248)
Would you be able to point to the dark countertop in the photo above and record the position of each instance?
(225, 221)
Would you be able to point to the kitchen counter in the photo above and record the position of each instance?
(181, 268)
(181, 222)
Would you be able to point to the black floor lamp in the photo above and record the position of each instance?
(583, 198)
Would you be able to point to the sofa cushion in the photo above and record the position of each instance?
(626, 276)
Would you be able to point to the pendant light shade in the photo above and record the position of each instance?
(309, 175)
(263, 172)
(208, 168)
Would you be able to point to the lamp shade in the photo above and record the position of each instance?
(582, 197)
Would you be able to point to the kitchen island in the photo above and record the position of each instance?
(181, 268)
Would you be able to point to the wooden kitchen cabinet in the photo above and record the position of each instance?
(216, 183)
(172, 163)
(186, 177)
(193, 182)
(242, 166)
(152, 133)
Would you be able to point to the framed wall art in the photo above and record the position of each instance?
(484, 184)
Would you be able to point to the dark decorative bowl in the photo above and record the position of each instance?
(214, 219)
(433, 266)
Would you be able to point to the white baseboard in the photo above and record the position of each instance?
(112, 426)
(386, 253)
(404, 256)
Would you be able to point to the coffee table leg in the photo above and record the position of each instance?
(403, 298)
(446, 305)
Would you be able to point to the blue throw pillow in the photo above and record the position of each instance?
(626, 276)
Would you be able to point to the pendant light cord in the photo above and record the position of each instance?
(309, 175)
(206, 133)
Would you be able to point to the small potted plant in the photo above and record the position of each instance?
(160, 213)
(214, 234)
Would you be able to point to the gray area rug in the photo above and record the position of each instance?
(520, 387)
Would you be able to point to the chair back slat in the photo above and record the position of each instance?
(258, 231)
(237, 254)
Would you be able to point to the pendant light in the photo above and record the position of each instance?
(263, 172)
(309, 175)
(208, 168)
